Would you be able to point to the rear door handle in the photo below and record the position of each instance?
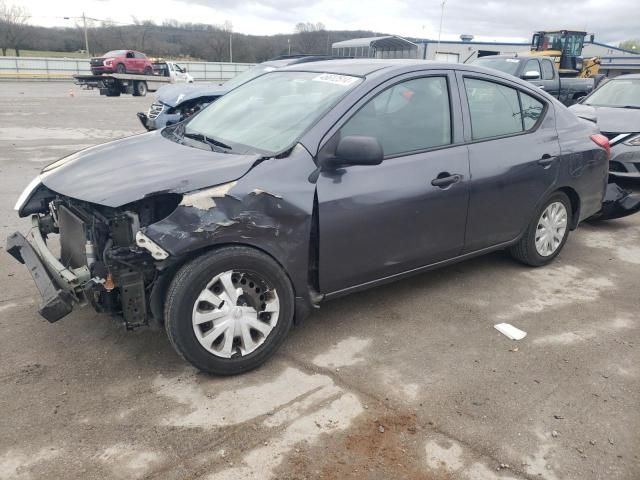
(546, 160)
(444, 179)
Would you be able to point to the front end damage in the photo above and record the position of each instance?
(121, 258)
(80, 253)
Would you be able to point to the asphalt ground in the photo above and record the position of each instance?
(405, 381)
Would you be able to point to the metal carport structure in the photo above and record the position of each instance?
(390, 46)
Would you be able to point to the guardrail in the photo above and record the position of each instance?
(49, 68)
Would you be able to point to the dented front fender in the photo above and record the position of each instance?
(270, 208)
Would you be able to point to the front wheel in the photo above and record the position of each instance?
(120, 68)
(148, 71)
(229, 310)
(546, 234)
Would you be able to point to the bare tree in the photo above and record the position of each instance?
(311, 37)
(13, 26)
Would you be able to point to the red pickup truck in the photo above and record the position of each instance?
(121, 61)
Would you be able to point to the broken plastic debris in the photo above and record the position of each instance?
(510, 331)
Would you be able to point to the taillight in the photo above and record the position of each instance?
(602, 142)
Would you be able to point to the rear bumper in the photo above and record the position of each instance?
(60, 287)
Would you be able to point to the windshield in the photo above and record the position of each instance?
(617, 93)
(506, 65)
(269, 113)
(115, 53)
(247, 75)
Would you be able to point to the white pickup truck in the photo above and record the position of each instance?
(175, 72)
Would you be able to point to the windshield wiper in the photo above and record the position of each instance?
(631, 106)
(214, 144)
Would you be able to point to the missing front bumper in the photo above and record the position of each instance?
(59, 286)
(56, 303)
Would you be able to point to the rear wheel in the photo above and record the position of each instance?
(139, 89)
(120, 68)
(546, 234)
(229, 310)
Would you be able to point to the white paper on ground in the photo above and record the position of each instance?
(510, 331)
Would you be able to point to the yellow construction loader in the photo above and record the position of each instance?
(565, 47)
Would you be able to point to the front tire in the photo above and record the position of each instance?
(546, 234)
(120, 68)
(228, 310)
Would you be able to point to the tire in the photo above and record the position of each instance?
(139, 89)
(113, 93)
(197, 279)
(120, 68)
(526, 250)
(148, 71)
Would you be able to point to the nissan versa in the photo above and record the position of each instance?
(304, 184)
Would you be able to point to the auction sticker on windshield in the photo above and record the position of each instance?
(335, 79)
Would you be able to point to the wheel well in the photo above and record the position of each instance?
(574, 198)
(157, 295)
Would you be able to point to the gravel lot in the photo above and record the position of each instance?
(406, 381)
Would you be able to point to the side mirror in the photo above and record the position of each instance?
(531, 75)
(355, 150)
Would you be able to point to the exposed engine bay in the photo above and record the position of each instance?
(107, 241)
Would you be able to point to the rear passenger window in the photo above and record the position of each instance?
(531, 110)
(409, 116)
(548, 71)
(498, 110)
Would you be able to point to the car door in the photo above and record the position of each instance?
(533, 66)
(549, 82)
(179, 73)
(130, 61)
(409, 211)
(513, 154)
(140, 60)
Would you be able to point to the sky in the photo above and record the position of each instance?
(501, 20)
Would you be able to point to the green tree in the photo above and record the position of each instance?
(633, 45)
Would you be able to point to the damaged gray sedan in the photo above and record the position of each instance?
(303, 185)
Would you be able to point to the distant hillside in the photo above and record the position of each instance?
(172, 39)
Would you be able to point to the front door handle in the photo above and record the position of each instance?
(546, 160)
(444, 179)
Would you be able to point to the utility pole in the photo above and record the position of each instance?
(86, 37)
(289, 44)
(440, 29)
(230, 46)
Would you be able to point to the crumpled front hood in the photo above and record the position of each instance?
(126, 170)
(177, 93)
(609, 119)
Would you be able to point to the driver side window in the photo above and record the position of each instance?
(407, 117)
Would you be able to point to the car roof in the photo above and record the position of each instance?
(363, 67)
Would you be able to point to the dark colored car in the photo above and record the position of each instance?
(542, 72)
(305, 184)
(615, 108)
(121, 61)
(174, 103)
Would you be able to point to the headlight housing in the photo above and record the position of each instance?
(633, 141)
(27, 193)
